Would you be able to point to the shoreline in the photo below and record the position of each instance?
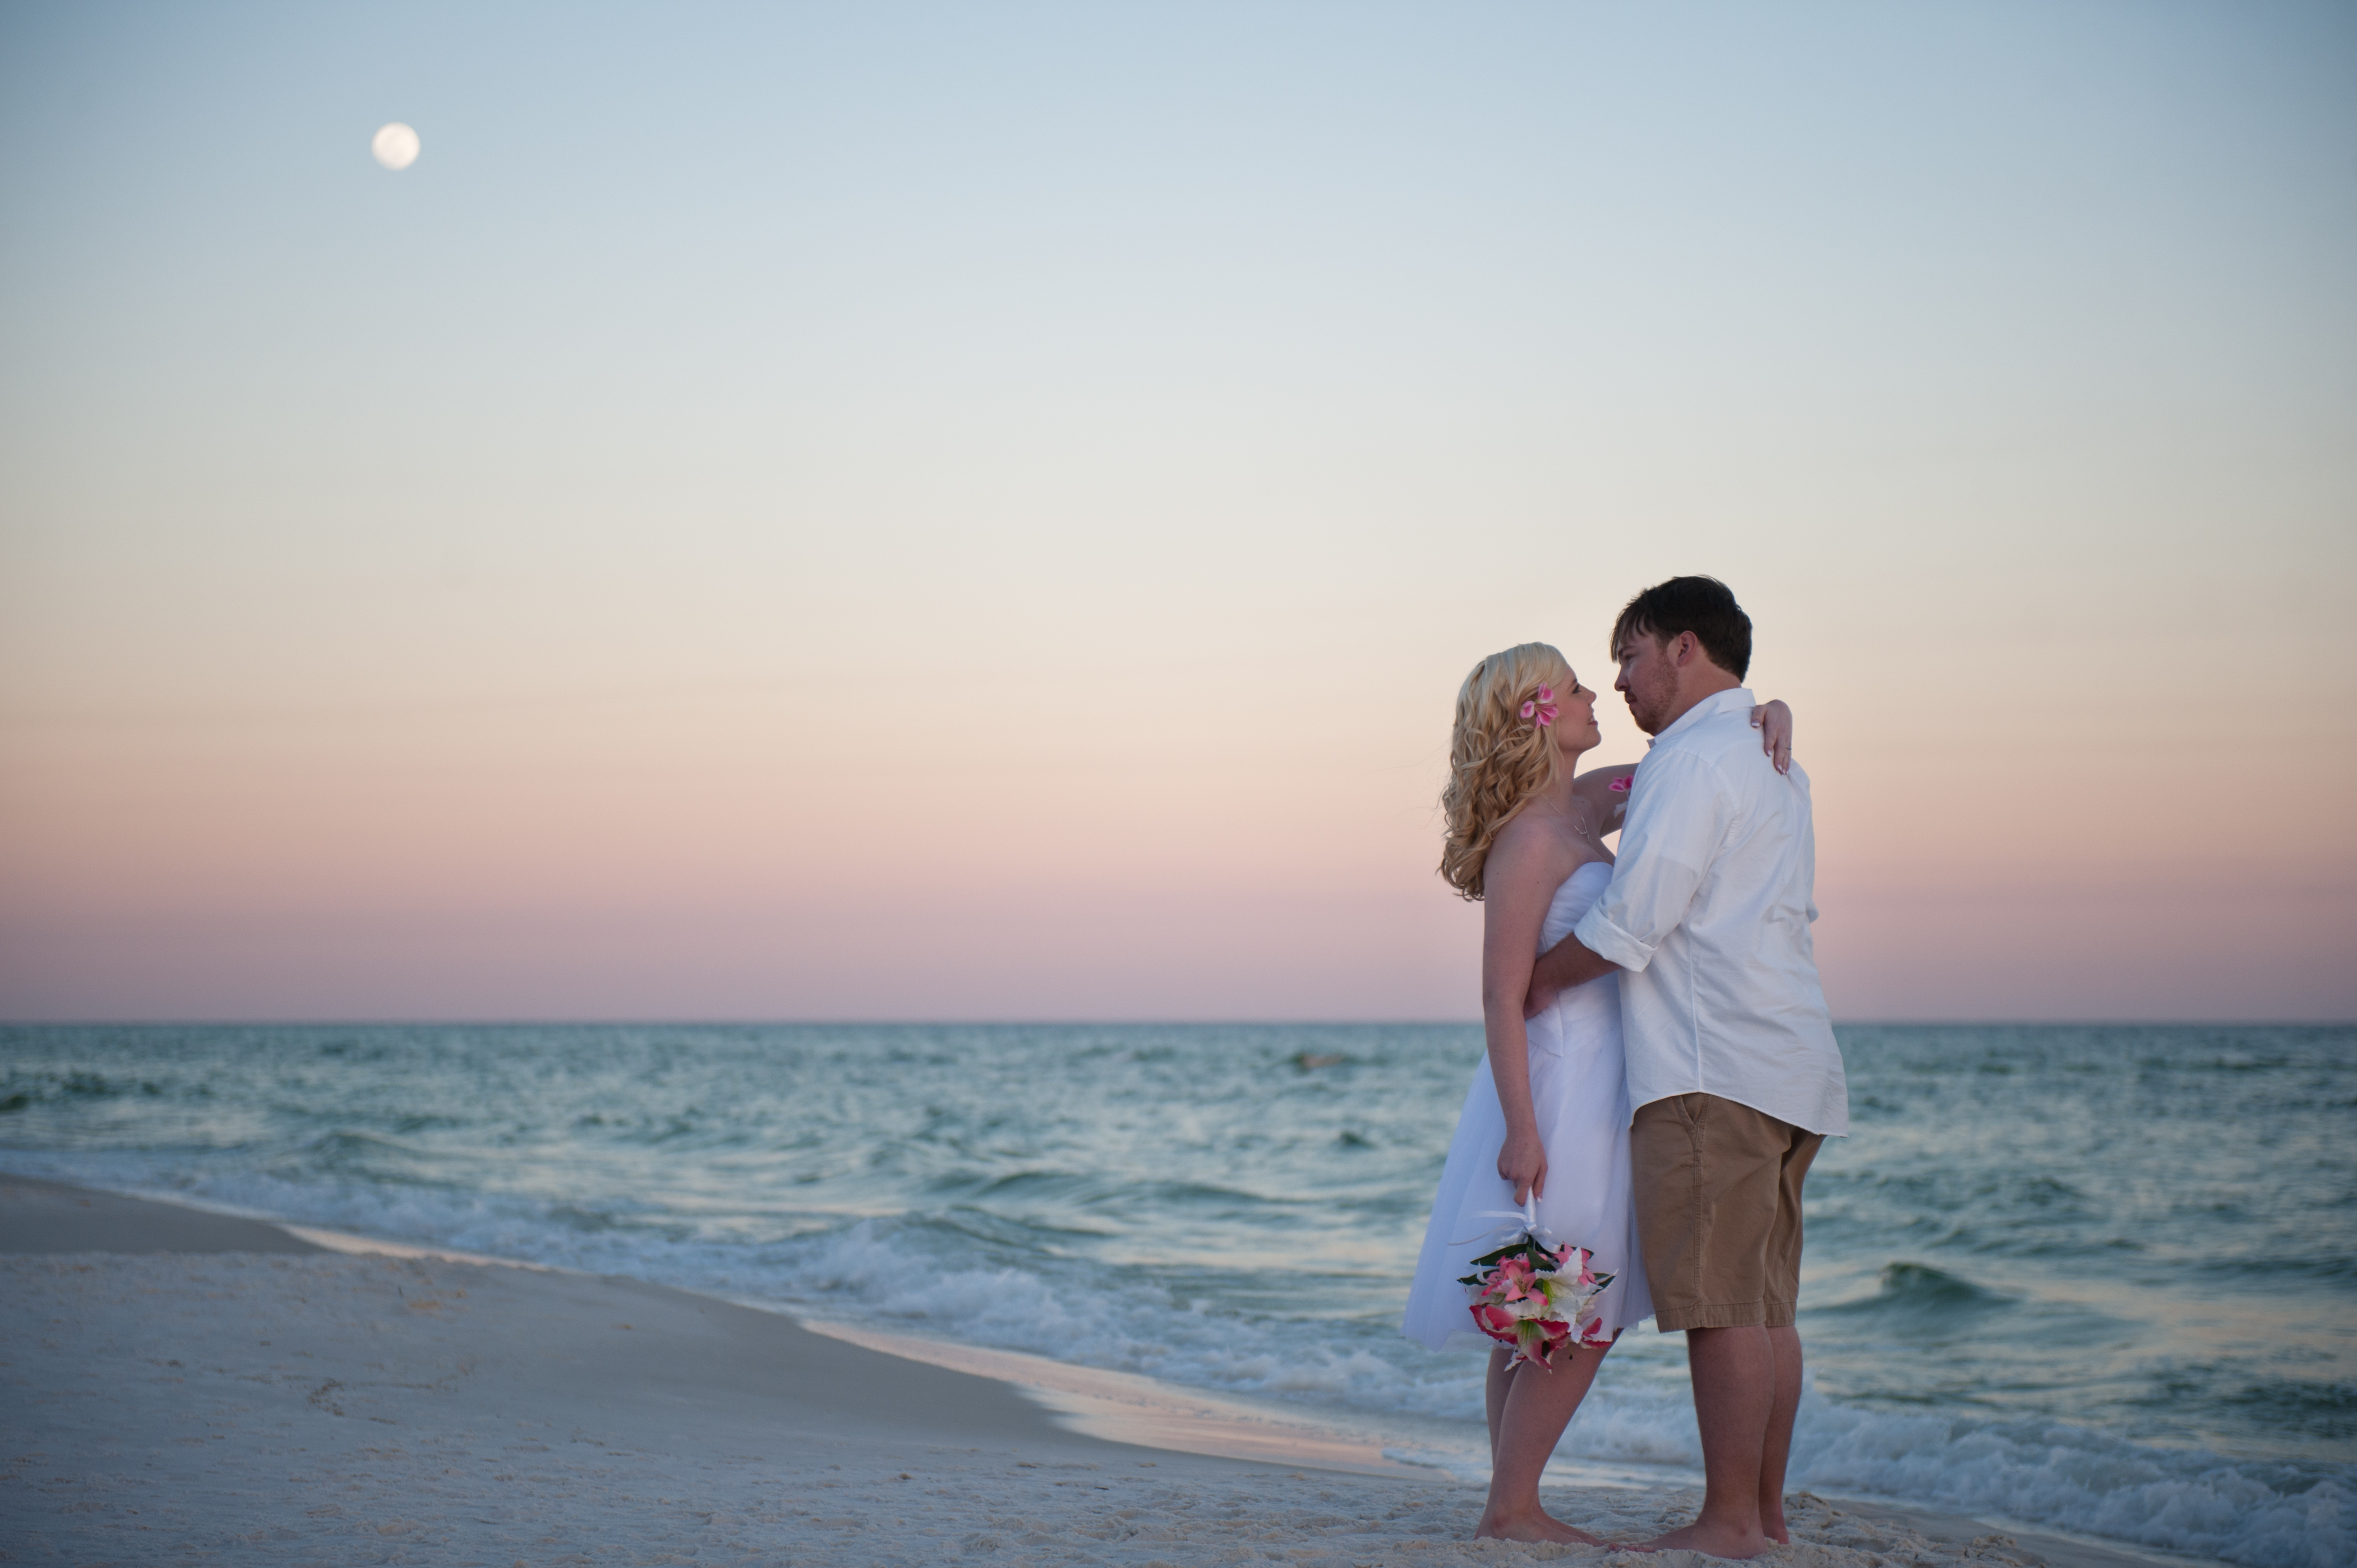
(666, 1394)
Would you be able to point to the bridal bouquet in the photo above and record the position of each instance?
(1533, 1298)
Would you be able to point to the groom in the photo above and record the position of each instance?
(1732, 1065)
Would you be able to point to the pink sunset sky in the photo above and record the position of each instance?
(947, 513)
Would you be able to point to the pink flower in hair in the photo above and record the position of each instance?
(1542, 707)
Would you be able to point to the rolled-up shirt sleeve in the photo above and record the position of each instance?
(1675, 821)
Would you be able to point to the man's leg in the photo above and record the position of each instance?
(1784, 1345)
(1783, 1303)
(1708, 1174)
(1734, 1372)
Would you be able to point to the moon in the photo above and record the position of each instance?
(395, 146)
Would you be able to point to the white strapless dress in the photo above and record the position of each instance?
(1580, 1091)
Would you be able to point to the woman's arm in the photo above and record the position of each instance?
(1516, 887)
(1605, 792)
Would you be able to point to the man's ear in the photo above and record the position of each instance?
(1683, 648)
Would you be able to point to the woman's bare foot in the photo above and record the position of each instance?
(1536, 1525)
(1714, 1539)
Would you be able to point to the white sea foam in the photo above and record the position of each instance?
(1156, 1201)
(2046, 1472)
(2039, 1472)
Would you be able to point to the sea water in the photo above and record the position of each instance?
(2103, 1279)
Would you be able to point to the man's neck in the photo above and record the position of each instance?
(1696, 688)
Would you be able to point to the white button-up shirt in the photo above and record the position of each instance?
(1709, 916)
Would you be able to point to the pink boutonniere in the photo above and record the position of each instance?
(1621, 785)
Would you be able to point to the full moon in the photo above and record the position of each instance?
(395, 146)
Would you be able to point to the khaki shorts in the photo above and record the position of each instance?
(1719, 1211)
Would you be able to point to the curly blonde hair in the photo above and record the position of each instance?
(1497, 760)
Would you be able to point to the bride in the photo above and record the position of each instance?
(1547, 1123)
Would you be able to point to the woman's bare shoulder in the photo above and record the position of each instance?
(1536, 843)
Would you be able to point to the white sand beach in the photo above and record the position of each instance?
(183, 1386)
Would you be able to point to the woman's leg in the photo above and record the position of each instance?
(1537, 1405)
(1501, 1378)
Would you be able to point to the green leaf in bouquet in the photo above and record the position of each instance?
(1528, 1248)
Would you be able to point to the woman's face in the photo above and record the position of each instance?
(1575, 724)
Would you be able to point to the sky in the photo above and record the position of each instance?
(955, 512)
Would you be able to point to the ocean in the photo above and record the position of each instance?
(2100, 1279)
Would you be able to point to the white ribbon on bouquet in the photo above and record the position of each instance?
(1528, 1215)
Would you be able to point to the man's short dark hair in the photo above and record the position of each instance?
(1704, 605)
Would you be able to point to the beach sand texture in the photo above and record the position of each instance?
(182, 1386)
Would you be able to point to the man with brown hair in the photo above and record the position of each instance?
(1733, 1071)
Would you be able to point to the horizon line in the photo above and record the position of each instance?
(675, 1023)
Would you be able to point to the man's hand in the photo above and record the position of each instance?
(1568, 964)
(1539, 997)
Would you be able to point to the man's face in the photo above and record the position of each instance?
(1649, 678)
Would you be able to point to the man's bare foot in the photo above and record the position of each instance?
(1715, 1539)
(1536, 1525)
(1773, 1526)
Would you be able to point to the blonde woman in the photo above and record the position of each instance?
(1546, 1122)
